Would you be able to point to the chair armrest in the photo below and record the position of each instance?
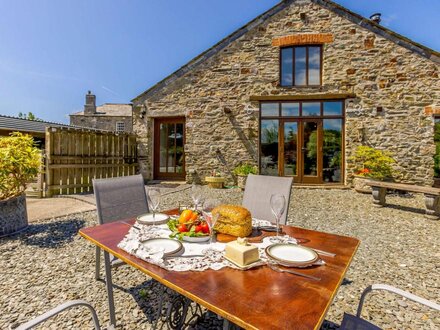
(60, 308)
(397, 291)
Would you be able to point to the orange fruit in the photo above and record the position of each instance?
(185, 216)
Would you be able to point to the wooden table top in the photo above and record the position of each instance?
(258, 298)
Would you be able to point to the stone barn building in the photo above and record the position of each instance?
(109, 116)
(294, 91)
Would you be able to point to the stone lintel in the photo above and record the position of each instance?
(301, 97)
(303, 39)
(432, 110)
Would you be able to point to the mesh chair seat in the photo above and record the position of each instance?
(257, 193)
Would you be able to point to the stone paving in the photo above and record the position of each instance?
(49, 263)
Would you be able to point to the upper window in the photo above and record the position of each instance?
(120, 126)
(300, 66)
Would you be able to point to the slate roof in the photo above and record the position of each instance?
(330, 5)
(25, 125)
(110, 110)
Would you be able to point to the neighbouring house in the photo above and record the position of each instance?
(109, 116)
(294, 91)
(35, 128)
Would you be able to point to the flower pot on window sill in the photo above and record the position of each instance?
(216, 182)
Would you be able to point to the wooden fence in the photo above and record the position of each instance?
(73, 157)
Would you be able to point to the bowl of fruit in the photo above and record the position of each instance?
(189, 227)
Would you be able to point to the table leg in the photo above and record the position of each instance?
(109, 284)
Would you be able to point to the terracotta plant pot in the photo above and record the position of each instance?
(216, 182)
(13, 215)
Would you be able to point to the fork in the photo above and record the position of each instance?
(280, 270)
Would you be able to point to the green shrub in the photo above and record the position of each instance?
(373, 163)
(19, 163)
(245, 169)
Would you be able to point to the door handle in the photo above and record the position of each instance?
(303, 149)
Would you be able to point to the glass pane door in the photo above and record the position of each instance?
(290, 149)
(169, 159)
(269, 147)
(311, 150)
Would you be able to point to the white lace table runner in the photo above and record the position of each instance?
(213, 254)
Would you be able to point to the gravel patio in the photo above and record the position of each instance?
(49, 263)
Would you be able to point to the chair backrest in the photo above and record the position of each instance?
(257, 194)
(120, 198)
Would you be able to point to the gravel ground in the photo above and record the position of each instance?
(49, 263)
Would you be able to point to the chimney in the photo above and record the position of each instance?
(90, 106)
(376, 18)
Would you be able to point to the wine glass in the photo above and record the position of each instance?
(196, 195)
(153, 196)
(210, 219)
(278, 206)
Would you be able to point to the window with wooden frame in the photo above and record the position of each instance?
(120, 126)
(301, 66)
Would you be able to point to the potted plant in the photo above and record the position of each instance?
(216, 180)
(242, 172)
(371, 163)
(20, 162)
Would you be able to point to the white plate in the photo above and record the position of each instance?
(147, 219)
(169, 246)
(196, 239)
(291, 255)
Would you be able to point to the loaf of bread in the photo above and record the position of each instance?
(233, 220)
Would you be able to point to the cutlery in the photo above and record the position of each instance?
(129, 224)
(187, 256)
(280, 270)
(323, 253)
(267, 228)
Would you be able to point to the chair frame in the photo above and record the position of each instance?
(397, 291)
(365, 324)
(59, 309)
(114, 262)
(283, 180)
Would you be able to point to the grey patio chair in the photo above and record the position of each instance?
(117, 199)
(57, 310)
(257, 194)
(352, 322)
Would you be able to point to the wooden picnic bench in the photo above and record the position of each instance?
(432, 195)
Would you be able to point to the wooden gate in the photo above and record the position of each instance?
(73, 157)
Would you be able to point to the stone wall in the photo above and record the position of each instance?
(383, 76)
(107, 123)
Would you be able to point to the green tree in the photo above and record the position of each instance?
(28, 116)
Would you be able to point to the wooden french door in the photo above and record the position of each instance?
(300, 151)
(169, 156)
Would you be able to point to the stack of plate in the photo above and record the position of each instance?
(291, 255)
(167, 245)
(147, 219)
